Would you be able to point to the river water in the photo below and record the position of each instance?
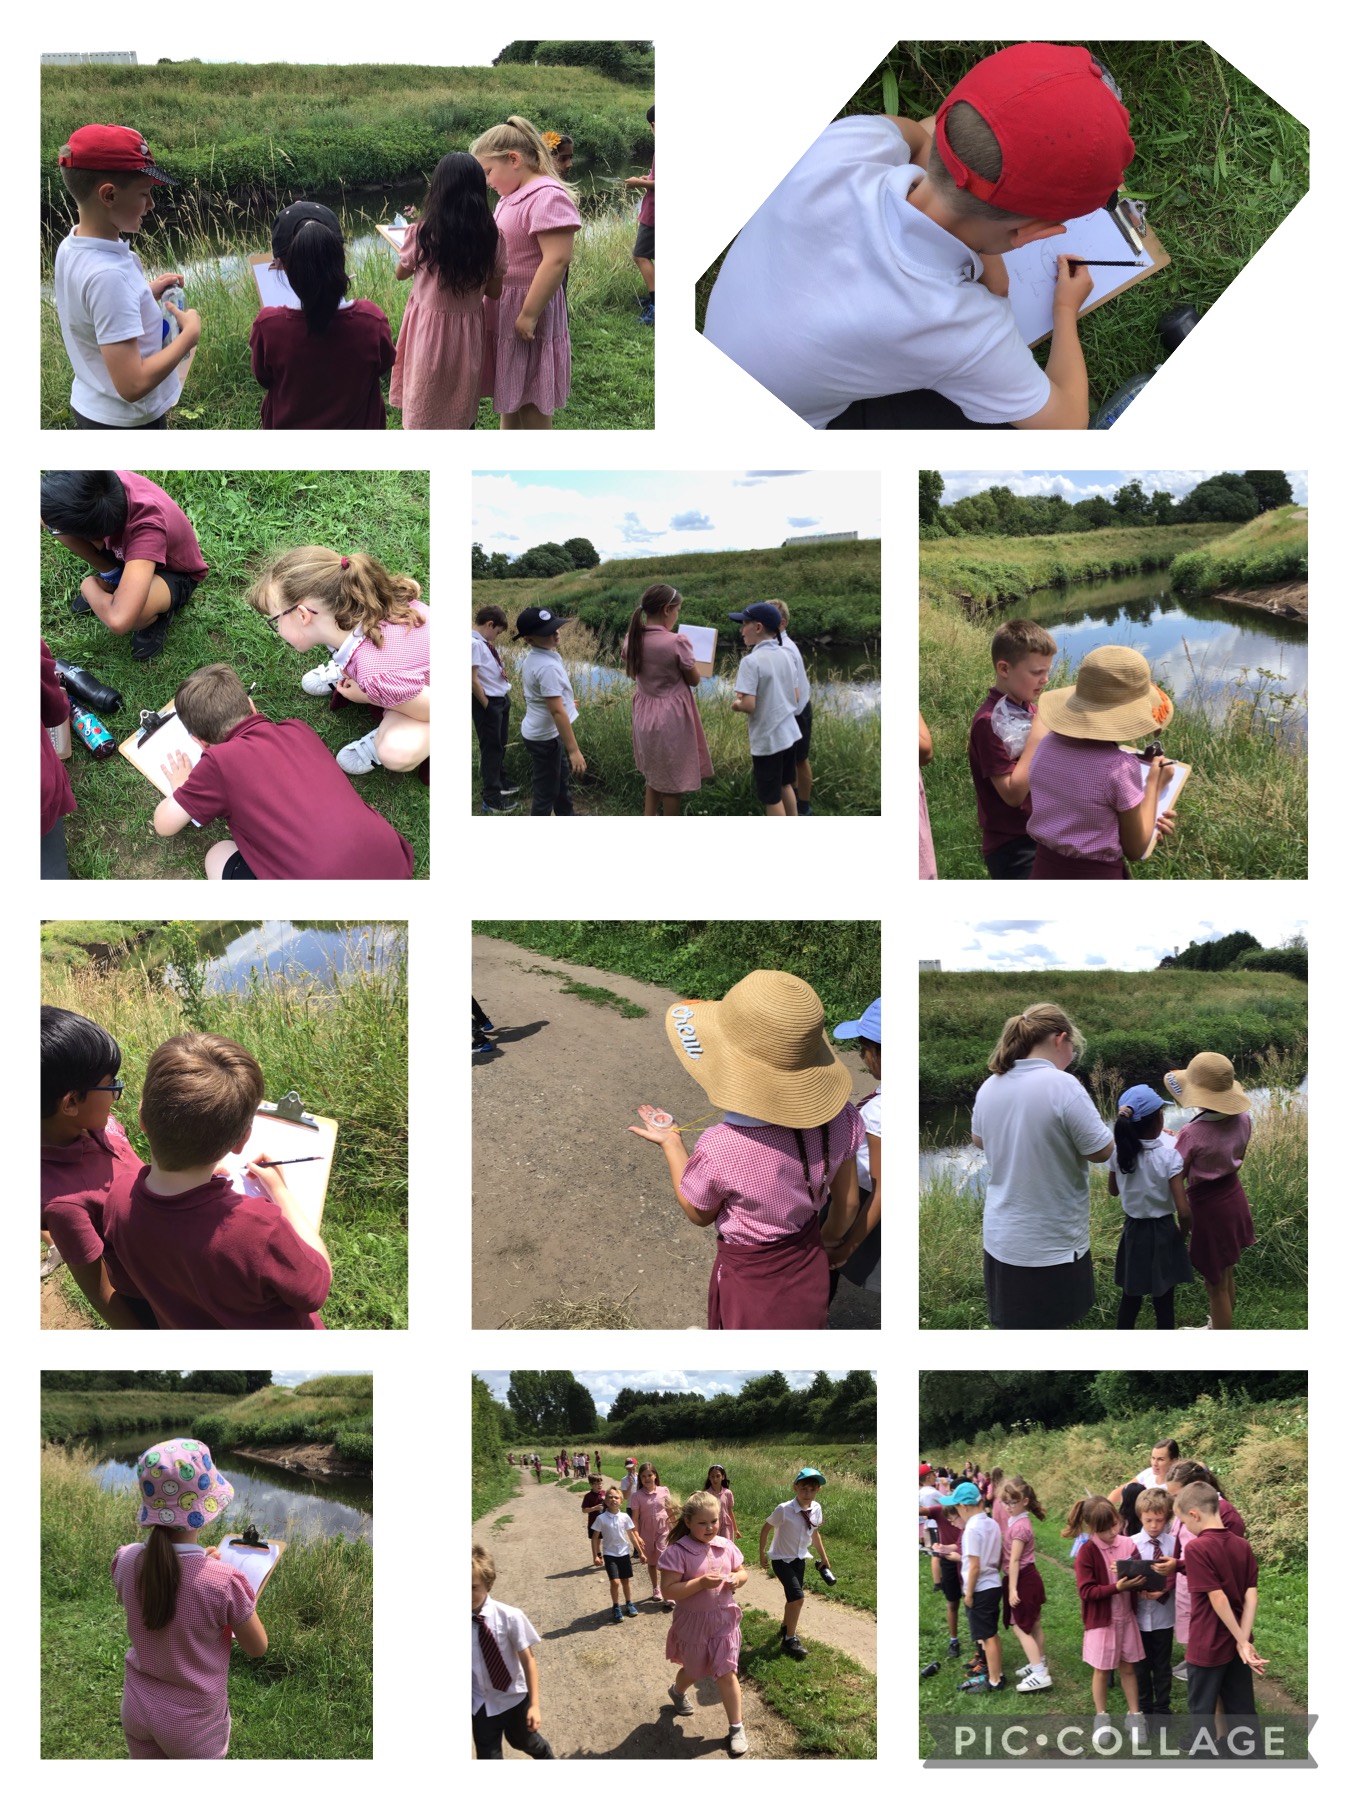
(282, 949)
(845, 678)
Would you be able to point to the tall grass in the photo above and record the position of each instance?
(309, 1696)
(995, 570)
(1270, 548)
(346, 1053)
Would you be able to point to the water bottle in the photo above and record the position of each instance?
(60, 736)
(92, 732)
(930, 1669)
(826, 1573)
(178, 298)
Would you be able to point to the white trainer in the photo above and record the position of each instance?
(321, 681)
(1034, 1684)
(738, 1743)
(681, 1702)
(359, 758)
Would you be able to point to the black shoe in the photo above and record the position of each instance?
(150, 642)
(78, 604)
(484, 1048)
(499, 809)
(795, 1648)
(487, 1025)
(87, 688)
(953, 1646)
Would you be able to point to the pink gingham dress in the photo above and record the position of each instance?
(515, 373)
(1107, 1646)
(705, 1630)
(400, 668)
(756, 1173)
(726, 1502)
(439, 360)
(648, 1507)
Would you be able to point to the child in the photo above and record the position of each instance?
(592, 1502)
(505, 1674)
(718, 1485)
(1110, 1635)
(648, 1511)
(628, 1482)
(1092, 806)
(562, 153)
(765, 1173)
(858, 1254)
(1023, 1589)
(204, 1256)
(185, 1610)
(803, 779)
(1220, 1571)
(981, 1554)
(379, 632)
(911, 228)
(1155, 1613)
(57, 795)
(1145, 1175)
(88, 1164)
(927, 857)
(644, 244)
(702, 1570)
(1004, 735)
(1212, 1147)
(292, 813)
(766, 691)
(550, 707)
(112, 319)
(614, 1536)
(320, 362)
(934, 1504)
(527, 355)
(796, 1535)
(1185, 1471)
(669, 748)
(454, 255)
(138, 541)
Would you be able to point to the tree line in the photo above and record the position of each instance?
(998, 512)
(1240, 950)
(955, 1404)
(156, 1381)
(539, 560)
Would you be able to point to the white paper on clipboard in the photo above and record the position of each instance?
(255, 1565)
(1034, 269)
(273, 287)
(703, 642)
(1174, 779)
(280, 1140)
(150, 756)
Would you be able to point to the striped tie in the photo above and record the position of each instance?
(493, 1660)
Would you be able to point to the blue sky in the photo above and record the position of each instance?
(1010, 945)
(1082, 484)
(708, 1382)
(654, 512)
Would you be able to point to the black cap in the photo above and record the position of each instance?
(301, 212)
(539, 621)
(762, 613)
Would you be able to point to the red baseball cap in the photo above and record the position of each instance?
(925, 1469)
(1064, 135)
(112, 147)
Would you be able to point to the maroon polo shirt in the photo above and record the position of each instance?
(57, 798)
(157, 530)
(322, 380)
(215, 1260)
(1214, 1561)
(86, 1190)
(989, 756)
(293, 813)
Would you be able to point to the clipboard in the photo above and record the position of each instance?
(703, 638)
(396, 235)
(1177, 777)
(273, 287)
(282, 1129)
(1032, 269)
(255, 1562)
(154, 739)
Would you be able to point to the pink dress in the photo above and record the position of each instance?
(1107, 1646)
(649, 1515)
(726, 1500)
(927, 860)
(1221, 1218)
(669, 747)
(439, 359)
(705, 1630)
(515, 373)
(1181, 1628)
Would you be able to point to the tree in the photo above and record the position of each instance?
(1224, 497)
(550, 1403)
(478, 562)
(822, 1388)
(582, 551)
(1130, 504)
(1162, 507)
(1271, 487)
(254, 1379)
(1096, 512)
(218, 1381)
(931, 486)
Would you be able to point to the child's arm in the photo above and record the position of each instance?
(843, 1202)
(818, 1545)
(530, 1668)
(1182, 1204)
(133, 375)
(1137, 825)
(918, 137)
(92, 1281)
(479, 697)
(1014, 1558)
(559, 714)
(98, 556)
(1240, 1631)
(170, 817)
(1112, 1187)
(1016, 784)
(731, 1520)
(275, 1183)
(1067, 407)
(556, 253)
(765, 1533)
(743, 703)
(638, 1544)
(972, 1575)
(120, 610)
(251, 1636)
(870, 1215)
(677, 1157)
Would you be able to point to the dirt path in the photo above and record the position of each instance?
(603, 1686)
(550, 1141)
(57, 1312)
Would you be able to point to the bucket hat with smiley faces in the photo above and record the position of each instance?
(180, 1485)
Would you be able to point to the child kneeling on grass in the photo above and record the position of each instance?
(293, 813)
(505, 1674)
(701, 1571)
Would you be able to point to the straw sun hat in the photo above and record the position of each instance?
(762, 1050)
(1207, 1081)
(1112, 699)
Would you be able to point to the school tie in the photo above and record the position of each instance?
(493, 1659)
(496, 655)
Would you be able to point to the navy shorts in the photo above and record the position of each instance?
(983, 1612)
(790, 1574)
(949, 1578)
(801, 750)
(236, 869)
(644, 244)
(619, 1568)
(773, 773)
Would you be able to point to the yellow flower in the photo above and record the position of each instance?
(552, 139)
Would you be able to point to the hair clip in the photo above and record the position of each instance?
(346, 562)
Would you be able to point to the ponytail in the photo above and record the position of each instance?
(521, 136)
(355, 589)
(1018, 1488)
(1022, 1033)
(651, 604)
(1093, 1514)
(157, 1576)
(316, 268)
(1127, 1136)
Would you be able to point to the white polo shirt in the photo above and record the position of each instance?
(1038, 1126)
(615, 1533)
(791, 1533)
(981, 1537)
(1146, 1192)
(838, 290)
(492, 678)
(766, 672)
(514, 1633)
(103, 297)
(799, 673)
(544, 677)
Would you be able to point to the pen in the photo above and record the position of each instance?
(280, 1162)
(1091, 262)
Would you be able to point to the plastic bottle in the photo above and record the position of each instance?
(92, 732)
(178, 298)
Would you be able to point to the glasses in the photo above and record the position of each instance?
(274, 619)
(115, 1088)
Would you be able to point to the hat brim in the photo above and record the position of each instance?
(1190, 1093)
(162, 176)
(737, 1082)
(1066, 712)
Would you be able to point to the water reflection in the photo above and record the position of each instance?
(284, 949)
(280, 1502)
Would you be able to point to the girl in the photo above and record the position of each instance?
(765, 1174)
(927, 860)
(455, 256)
(321, 361)
(184, 1609)
(379, 633)
(1212, 1147)
(527, 355)
(1145, 1175)
(1092, 806)
(702, 1570)
(669, 747)
(1110, 1636)
(993, 1494)
(648, 1509)
(1023, 1589)
(615, 1537)
(859, 1254)
(718, 1485)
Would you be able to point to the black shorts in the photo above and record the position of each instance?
(80, 423)
(181, 587)
(790, 1574)
(1230, 1682)
(983, 1612)
(619, 1568)
(644, 244)
(801, 750)
(949, 1578)
(773, 773)
(236, 869)
(1045, 1299)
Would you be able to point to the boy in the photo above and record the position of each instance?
(981, 1552)
(1004, 736)
(796, 1535)
(801, 750)
(1155, 1614)
(57, 795)
(505, 1675)
(766, 690)
(946, 1575)
(614, 1537)
(877, 260)
(591, 1503)
(88, 1164)
(563, 152)
(644, 244)
(1220, 1570)
(138, 541)
(206, 1257)
(112, 318)
(491, 706)
(550, 708)
(293, 812)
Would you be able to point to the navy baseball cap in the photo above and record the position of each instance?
(302, 212)
(762, 613)
(539, 621)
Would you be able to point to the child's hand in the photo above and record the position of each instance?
(1184, 1224)
(1166, 824)
(1252, 1660)
(270, 1179)
(1164, 1564)
(162, 283)
(177, 769)
(577, 762)
(1128, 1583)
(350, 691)
(654, 1134)
(525, 328)
(189, 321)
(599, 1562)
(1072, 287)
(213, 1549)
(1012, 1595)
(532, 1718)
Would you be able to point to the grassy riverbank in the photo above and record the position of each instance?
(309, 1696)
(1270, 548)
(994, 571)
(1243, 815)
(348, 1058)
(335, 1409)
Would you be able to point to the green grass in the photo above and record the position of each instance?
(993, 571)
(309, 1696)
(1270, 548)
(348, 1058)
(335, 1409)
(241, 517)
(593, 996)
(829, 1700)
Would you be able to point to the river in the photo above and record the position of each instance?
(845, 678)
(316, 952)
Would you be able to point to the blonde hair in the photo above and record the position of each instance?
(782, 606)
(354, 590)
(1153, 1500)
(1022, 1033)
(521, 136)
(484, 1566)
(702, 1501)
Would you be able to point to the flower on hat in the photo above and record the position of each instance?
(552, 139)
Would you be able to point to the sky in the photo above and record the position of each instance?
(654, 512)
(1009, 945)
(467, 45)
(293, 1377)
(1083, 484)
(708, 1382)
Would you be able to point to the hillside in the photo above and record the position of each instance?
(332, 1409)
(995, 570)
(1269, 550)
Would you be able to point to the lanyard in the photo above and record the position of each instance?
(806, 1166)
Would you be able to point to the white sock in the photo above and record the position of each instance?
(738, 1726)
(1039, 1669)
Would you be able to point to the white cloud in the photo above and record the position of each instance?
(1080, 943)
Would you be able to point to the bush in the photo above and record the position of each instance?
(631, 62)
(1283, 962)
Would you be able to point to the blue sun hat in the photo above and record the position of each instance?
(869, 1026)
(180, 1485)
(1141, 1102)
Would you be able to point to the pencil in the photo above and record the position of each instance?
(1089, 262)
(280, 1162)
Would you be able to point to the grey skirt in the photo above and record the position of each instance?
(1151, 1257)
(1045, 1299)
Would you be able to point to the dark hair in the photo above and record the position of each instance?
(491, 615)
(1095, 1515)
(157, 1577)
(1170, 1445)
(90, 501)
(565, 138)
(643, 1470)
(316, 267)
(868, 1044)
(653, 602)
(457, 234)
(651, 113)
(1130, 1133)
(77, 1055)
(721, 1470)
(1190, 1471)
(1129, 1497)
